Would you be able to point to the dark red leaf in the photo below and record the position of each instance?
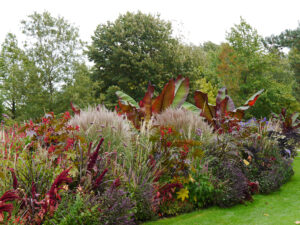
(146, 103)
(201, 101)
(165, 99)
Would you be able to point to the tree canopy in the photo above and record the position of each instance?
(50, 70)
(131, 51)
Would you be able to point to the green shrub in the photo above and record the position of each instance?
(201, 186)
(74, 209)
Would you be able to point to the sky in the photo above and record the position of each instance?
(195, 21)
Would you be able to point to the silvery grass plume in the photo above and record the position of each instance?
(187, 122)
(99, 121)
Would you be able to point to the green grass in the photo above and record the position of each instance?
(280, 207)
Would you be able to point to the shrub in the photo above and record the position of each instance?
(115, 207)
(74, 209)
(233, 184)
(201, 186)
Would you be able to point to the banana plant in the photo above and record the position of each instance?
(173, 95)
(289, 122)
(223, 116)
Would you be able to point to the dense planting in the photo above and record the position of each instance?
(158, 158)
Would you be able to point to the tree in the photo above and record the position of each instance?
(245, 66)
(78, 90)
(289, 39)
(55, 48)
(133, 50)
(13, 74)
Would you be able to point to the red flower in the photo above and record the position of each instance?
(94, 156)
(116, 183)
(7, 196)
(63, 177)
(170, 130)
(186, 148)
(51, 149)
(70, 143)
(46, 120)
(100, 178)
(162, 133)
(10, 195)
(67, 115)
(5, 208)
(169, 143)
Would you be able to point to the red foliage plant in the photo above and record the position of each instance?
(94, 156)
(50, 203)
(173, 95)
(223, 116)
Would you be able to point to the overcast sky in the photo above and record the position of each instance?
(198, 21)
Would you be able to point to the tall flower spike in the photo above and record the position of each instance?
(5, 208)
(10, 195)
(93, 157)
(100, 178)
(63, 177)
(15, 181)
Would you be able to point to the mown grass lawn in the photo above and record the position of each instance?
(280, 207)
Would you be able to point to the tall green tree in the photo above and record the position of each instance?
(79, 90)
(131, 51)
(246, 66)
(20, 84)
(13, 74)
(289, 39)
(55, 47)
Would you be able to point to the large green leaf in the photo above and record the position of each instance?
(181, 91)
(190, 107)
(165, 99)
(126, 99)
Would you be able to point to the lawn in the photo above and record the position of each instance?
(280, 207)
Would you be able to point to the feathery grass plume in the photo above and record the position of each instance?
(100, 121)
(187, 122)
